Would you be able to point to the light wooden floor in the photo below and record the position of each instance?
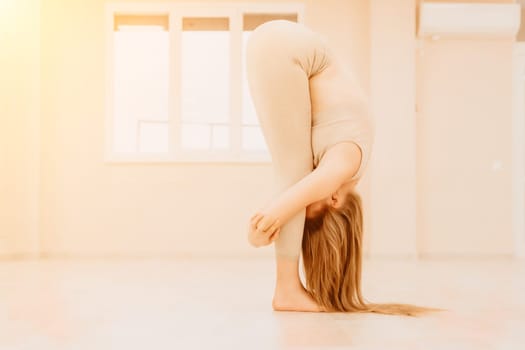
(225, 304)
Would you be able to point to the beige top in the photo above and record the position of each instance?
(339, 110)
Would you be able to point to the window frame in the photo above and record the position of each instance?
(176, 12)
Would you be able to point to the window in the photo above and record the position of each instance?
(177, 88)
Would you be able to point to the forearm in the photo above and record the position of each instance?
(339, 164)
(313, 187)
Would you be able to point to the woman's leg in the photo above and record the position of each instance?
(280, 90)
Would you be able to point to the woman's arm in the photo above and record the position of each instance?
(339, 164)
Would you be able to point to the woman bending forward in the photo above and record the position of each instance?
(316, 124)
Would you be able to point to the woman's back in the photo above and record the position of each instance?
(338, 108)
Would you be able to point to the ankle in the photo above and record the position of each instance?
(288, 285)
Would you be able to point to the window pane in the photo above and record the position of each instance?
(141, 73)
(253, 139)
(195, 136)
(220, 137)
(205, 70)
(153, 137)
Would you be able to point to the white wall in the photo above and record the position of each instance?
(393, 172)
(19, 126)
(518, 154)
(465, 147)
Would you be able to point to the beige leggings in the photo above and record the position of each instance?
(281, 57)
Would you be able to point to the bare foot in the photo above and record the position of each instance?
(294, 299)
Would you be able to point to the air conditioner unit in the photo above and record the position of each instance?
(468, 19)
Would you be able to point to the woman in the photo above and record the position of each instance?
(316, 124)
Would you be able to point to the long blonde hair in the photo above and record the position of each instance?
(332, 253)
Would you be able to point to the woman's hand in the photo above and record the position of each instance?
(264, 229)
